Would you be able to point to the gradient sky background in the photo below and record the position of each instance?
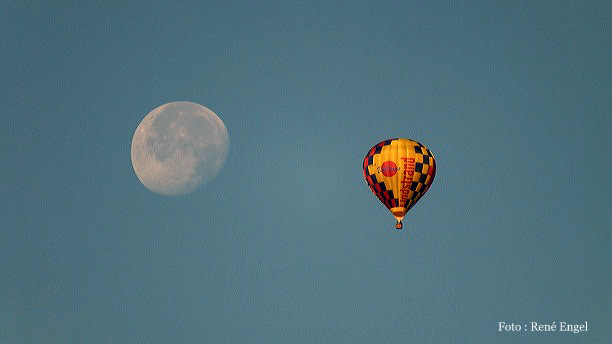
(288, 244)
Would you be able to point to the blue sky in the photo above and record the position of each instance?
(288, 244)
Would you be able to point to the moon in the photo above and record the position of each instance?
(178, 147)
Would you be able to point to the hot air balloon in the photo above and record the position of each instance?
(399, 172)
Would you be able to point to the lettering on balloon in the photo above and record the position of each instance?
(388, 168)
(407, 179)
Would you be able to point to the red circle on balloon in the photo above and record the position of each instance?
(388, 168)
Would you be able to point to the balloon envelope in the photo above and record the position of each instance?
(399, 172)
